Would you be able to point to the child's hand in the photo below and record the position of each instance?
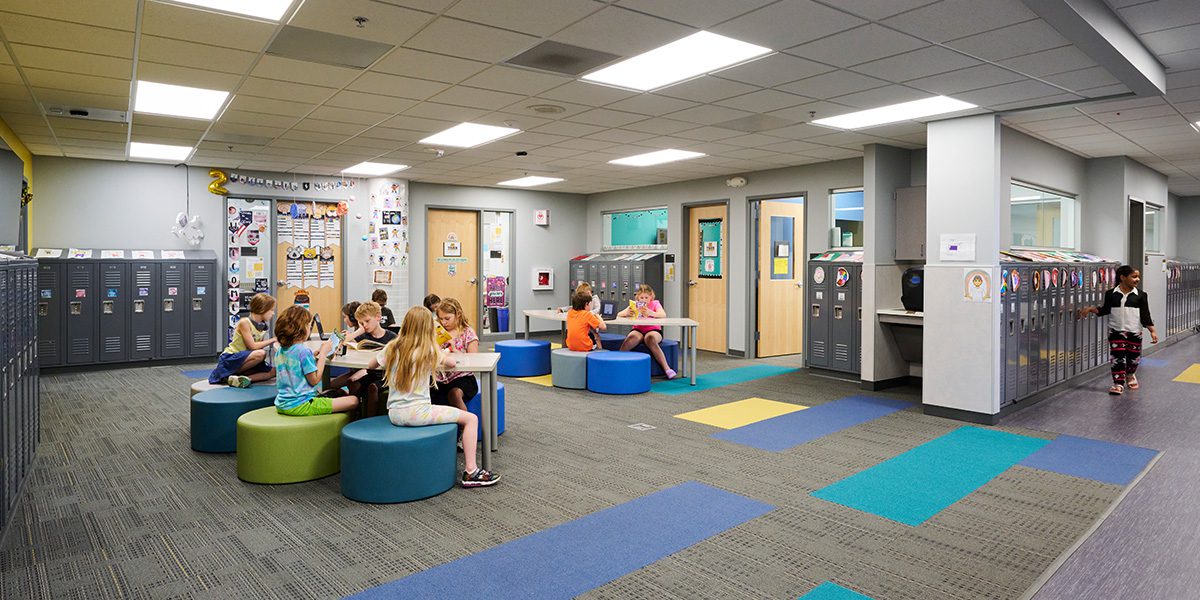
(326, 346)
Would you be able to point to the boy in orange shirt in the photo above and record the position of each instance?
(580, 324)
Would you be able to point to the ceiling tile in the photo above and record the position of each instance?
(393, 135)
(488, 44)
(1083, 79)
(622, 32)
(315, 136)
(568, 129)
(461, 95)
(660, 126)
(429, 126)
(589, 94)
(55, 59)
(298, 71)
(388, 24)
(709, 134)
(882, 96)
(874, 9)
(271, 88)
(858, 45)
(102, 14)
(621, 136)
(953, 19)
(49, 96)
(1173, 40)
(253, 118)
(374, 102)
(427, 65)
(785, 24)
(971, 78)
(835, 83)
(1187, 59)
(1011, 41)
(346, 115)
(446, 112)
(918, 63)
(270, 105)
(695, 14)
(1050, 62)
(764, 101)
(651, 104)
(78, 83)
(21, 29)
(392, 85)
(83, 124)
(176, 75)
(190, 54)
(533, 18)
(606, 117)
(707, 89)
(773, 70)
(709, 114)
(516, 81)
(1146, 17)
(1008, 93)
(195, 125)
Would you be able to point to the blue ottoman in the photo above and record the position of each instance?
(215, 414)
(618, 372)
(523, 358)
(670, 350)
(475, 405)
(382, 463)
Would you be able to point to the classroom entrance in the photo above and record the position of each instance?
(452, 255)
(708, 272)
(779, 276)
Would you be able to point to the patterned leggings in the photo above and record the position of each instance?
(1126, 351)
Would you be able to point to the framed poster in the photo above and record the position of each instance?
(452, 248)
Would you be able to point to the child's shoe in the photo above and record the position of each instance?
(480, 478)
(671, 374)
(239, 381)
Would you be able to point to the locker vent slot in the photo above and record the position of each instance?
(173, 341)
(200, 339)
(202, 278)
(47, 348)
(173, 278)
(80, 346)
(143, 279)
(818, 348)
(143, 343)
(112, 345)
(112, 279)
(841, 352)
(80, 279)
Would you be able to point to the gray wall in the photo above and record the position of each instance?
(1104, 210)
(1186, 218)
(11, 172)
(1033, 161)
(535, 246)
(885, 169)
(814, 181)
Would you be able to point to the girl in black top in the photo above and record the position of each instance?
(1128, 311)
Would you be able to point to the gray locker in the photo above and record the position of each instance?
(81, 312)
(1024, 288)
(172, 311)
(626, 288)
(50, 310)
(1010, 322)
(593, 277)
(202, 309)
(143, 303)
(856, 354)
(614, 281)
(18, 376)
(842, 320)
(578, 273)
(114, 311)
(817, 347)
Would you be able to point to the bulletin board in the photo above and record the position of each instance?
(308, 241)
(710, 248)
(248, 255)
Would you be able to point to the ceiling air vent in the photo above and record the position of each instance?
(756, 123)
(560, 58)
(326, 48)
(83, 112)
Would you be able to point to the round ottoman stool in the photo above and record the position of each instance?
(204, 386)
(475, 405)
(215, 414)
(618, 372)
(568, 369)
(611, 341)
(523, 358)
(275, 448)
(382, 463)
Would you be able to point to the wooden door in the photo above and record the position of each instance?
(780, 275)
(707, 298)
(452, 251)
(308, 259)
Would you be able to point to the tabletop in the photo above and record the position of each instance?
(477, 362)
(554, 315)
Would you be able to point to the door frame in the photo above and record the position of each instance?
(512, 264)
(685, 254)
(753, 203)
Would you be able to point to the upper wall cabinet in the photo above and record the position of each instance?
(910, 223)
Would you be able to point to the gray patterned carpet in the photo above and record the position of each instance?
(118, 505)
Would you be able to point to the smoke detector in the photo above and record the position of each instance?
(736, 182)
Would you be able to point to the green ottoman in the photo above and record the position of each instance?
(275, 448)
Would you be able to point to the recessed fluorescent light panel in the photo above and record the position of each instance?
(904, 111)
(373, 169)
(1196, 126)
(696, 54)
(263, 9)
(468, 135)
(531, 181)
(655, 158)
(177, 100)
(159, 151)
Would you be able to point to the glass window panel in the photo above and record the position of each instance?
(643, 229)
(847, 218)
(1042, 219)
(1153, 237)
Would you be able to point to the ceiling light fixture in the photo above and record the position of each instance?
(656, 158)
(905, 111)
(697, 54)
(373, 169)
(1195, 126)
(272, 10)
(530, 181)
(178, 100)
(159, 151)
(468, 135)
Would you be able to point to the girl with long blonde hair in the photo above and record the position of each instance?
(411, 361)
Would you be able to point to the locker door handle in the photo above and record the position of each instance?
(837, 312)
(816, 310)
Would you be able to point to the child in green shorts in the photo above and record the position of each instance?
(298, 372)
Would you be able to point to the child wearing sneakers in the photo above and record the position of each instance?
(410, 364)
(647, 308)
(582, 324)
(1128, 310)
(455, 388)
(299, 372)
(244, 360)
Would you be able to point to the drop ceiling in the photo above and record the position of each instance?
(445, 67)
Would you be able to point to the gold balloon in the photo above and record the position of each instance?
(219, 178)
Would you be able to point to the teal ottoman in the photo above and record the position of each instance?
(383, 463)
(215, 414)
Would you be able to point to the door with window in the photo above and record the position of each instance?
(708, 275)
(452, 251)
(780, 270)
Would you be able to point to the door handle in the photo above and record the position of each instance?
(800, 284)
(281, 282)
(471, 281)
(692, 282)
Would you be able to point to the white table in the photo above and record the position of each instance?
(483, 363)
(688, 326)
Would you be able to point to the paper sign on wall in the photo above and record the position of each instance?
(112, 254)
(172, 254)
(957, 247)
(49, 252)
(143, 255)
(79, 253)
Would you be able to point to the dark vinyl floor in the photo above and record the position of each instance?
(1149, 547)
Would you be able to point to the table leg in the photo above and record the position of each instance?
(485, 408)
(495, 403)
(683, 358)
(526, 326)
(693, 361)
